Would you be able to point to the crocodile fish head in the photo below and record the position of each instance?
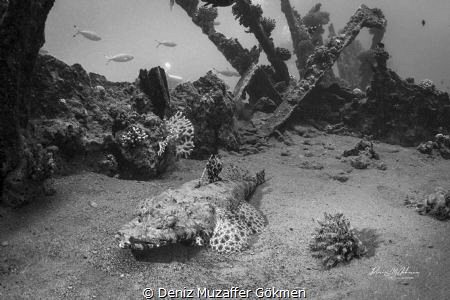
(167, 222)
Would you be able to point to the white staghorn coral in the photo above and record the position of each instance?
(180, 131)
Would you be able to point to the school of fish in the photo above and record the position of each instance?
(125, 57)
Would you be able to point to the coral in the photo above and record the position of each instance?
(283, 53)
(216, 214)
(363, 155)
(314, 21)
(426, 84)
(108, 165)
(398, 111)
(441, 144)
(319, 64)
(362, 147)
(212, 118)
(268, 25)
(240, 58)
(250, 16)
(22, 25)
(133, 137)
(335, 241)
(180, 131)
(436, 204)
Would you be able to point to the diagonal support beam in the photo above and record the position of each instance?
(320, 62)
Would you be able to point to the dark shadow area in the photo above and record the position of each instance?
(370, 238)
(174, 252)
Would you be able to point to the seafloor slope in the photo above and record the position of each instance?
(63, 246)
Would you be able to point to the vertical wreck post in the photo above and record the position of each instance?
(367, 58)
(321, 61)
(250, 16)
(240, 58)
(21, 36)
(306, 32)
(154, 84)
(299, 35)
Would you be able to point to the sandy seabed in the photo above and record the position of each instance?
(63, 247)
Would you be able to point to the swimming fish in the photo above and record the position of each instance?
(216, 3)
(119, 58)
(165, 43)
(172, 3)
(43, 52)
(90, 35)
(423, 22)
(175, 78)
(227, 73)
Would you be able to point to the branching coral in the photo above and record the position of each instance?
(250, 16)
(179, 131)
(240, 58)
(314, 21)
(205, 17)
(134, 137)
(283, 53)
(426, 84)
(268, 25)
(335, 241)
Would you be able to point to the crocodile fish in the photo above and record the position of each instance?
(215, 213)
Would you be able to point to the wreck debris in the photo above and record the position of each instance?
(299, 35)
(144, 145)
(154, 84)
(197, 214)
(240, 58)
(363, 155)
(321, 61)
(367, 58)
(250, 16)
(441, 144)
(18, 53)
(398, 111)
(436, 204)
(210, 107)
(306, 32)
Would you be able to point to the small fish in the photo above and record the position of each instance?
(166, 43)
(172, 3)
(90, 35)
(43, 52)
(176, 78)
(216, 3)
(227, 73)
(119, 58)
(423, 22)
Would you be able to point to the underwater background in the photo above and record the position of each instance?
(132, 26)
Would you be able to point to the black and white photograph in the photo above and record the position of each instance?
(225, 149)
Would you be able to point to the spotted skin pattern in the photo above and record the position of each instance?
(233, 229)
(216, 214)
